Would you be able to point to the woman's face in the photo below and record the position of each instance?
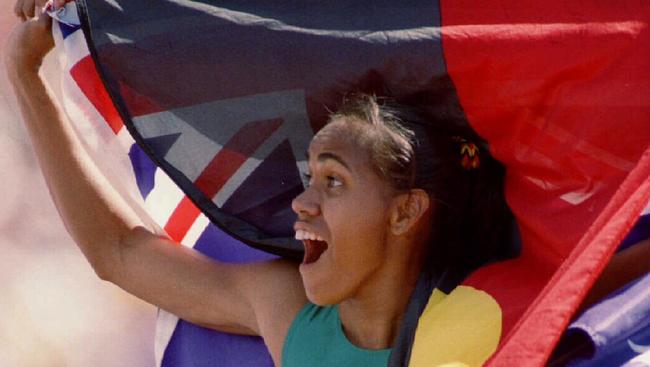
(343, 217)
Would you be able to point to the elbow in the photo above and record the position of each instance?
(103, 257)
(104, 267)
(110, 257)
(120, 255)
(103, 271)
(101, 250)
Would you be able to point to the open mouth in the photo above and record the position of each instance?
(313, 250)
(314, 244)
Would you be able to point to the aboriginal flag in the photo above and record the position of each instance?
(221, 99)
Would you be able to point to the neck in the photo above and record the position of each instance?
(371, 318)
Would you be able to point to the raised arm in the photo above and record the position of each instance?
(120, 247)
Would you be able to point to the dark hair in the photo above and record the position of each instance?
(471, 223)
(388, 141)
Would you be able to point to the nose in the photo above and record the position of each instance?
(306, 204)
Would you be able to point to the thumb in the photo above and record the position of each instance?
(41, 16)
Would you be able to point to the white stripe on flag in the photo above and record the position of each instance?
(125, 139)
(163, 198)
(195, 231)
(75, 47)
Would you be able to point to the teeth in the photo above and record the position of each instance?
(304, 235)
(299, 235)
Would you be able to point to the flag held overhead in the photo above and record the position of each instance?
(227, 114)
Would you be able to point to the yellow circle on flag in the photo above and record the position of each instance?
(462, 328)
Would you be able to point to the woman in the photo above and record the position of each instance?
(386, 198)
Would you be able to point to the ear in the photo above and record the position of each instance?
(407, 210)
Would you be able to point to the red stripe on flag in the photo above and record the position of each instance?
(86, 77)
(181, 219)
(238, 149)
(223, 166)
(137, 103)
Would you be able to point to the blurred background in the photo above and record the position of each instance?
(55, 311)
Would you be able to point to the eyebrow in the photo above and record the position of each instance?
(326, 156)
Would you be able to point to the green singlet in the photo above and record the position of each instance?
(316, 339)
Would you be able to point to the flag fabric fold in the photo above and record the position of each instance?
(215, 127)
(618, 328)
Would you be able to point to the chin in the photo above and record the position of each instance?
(321, 300)
(322, 295)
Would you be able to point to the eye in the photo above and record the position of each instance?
(333, 182)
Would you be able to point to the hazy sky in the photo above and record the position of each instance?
(55, 311)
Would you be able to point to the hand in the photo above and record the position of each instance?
(31, 40)
(25, 9)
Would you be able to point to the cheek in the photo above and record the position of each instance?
(358, 243)
(357, 227)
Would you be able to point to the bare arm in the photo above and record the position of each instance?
(623, 268)
(134, 255)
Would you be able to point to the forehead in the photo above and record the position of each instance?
(349, 143)
(337, 136)
(342, 140)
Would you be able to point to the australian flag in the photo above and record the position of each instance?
(212, 104)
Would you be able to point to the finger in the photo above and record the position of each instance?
(18, 8)
(38, 9)
(43, 19)
(28, 8)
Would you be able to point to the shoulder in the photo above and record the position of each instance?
(277, 295)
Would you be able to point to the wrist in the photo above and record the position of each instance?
(20, 67)
(26, 48)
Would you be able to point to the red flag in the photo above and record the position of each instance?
(561, 93)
